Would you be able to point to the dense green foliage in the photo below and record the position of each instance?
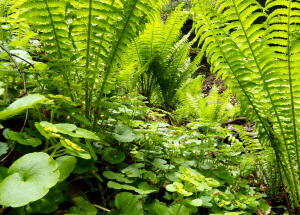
(103, 108)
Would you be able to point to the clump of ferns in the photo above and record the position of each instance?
(159, 60)
(194, 105)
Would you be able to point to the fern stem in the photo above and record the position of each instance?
(53, 28)
(291, 85)
(58, 46)
(88, 60)
(109, 66)
(265, 86)
(97, 60)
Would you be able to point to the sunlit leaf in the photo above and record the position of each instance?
(29, 179)
(22, 104)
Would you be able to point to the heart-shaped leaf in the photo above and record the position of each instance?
(123, 133)
(29, 179)
(49, 203)
(113, 156)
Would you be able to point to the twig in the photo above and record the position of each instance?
(23, 59)
(25, 92)
(17, 66)
(101, 208)
(8, 154)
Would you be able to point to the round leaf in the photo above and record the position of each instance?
(123, 133)
(49, 203)
(29, 179)
(113, 156)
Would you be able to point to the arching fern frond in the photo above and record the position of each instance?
(48, 18)
(261, 65)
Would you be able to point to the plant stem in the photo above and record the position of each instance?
(101, 208)
(177, 213)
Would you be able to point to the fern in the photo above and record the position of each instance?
(264, 159)
(261, 66)
(214, 108)
(88, 36)
(161, 58)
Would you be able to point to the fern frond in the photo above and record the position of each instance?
(235, 42)
(48, 18)
(283, 23)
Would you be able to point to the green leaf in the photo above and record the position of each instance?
(29, 179)
(49, 203)
(159, 208)
(84, 165)
(3, 148)
(143, 189)
(68, 129)
(147, 188)
(66, 165)
(195, 202)
(134, 170)
(116, 176)
(128, 204)
(179, 188)
(22, 138)
(3, 172)
(160, 164)
(82, 207)
(222, 173)
(75, 149)
(179, 208)
(206, 201)
(123, 133)
(263, 205)
(22, 104)
(113, 156)
(1, 126)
